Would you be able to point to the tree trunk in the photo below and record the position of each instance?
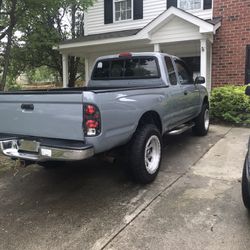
(6, 62)
(8, 45)
(73, 21)
(73, 61)
(73, 68)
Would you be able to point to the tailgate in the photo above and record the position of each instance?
(41, 114)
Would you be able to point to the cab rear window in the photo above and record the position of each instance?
(126, 68)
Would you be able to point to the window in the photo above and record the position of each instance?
(194, 63)
(134, 68)
(142, 68)
(116, 68)
(171, 71)
(123, 10)
(101, 70)
(184, 74)
(190, 4)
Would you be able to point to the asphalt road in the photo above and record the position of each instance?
(195, 203)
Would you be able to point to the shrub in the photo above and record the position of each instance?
(230, 104)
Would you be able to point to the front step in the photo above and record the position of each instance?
(181, 129)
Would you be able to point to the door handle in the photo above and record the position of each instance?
(27, 107)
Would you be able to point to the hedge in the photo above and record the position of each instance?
(230, 104)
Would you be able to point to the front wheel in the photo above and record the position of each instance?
(245, 187)
(202, 121)
(144, 154)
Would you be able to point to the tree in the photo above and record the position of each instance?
(66, 22)
(13, 13)
(7, 29)
(42, 25)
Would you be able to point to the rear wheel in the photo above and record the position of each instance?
(202, 121)
(245, 188)
(144, 154)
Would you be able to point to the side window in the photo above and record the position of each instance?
(171, 71)
(184, 75)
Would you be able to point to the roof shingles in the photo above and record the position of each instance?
(116, 34)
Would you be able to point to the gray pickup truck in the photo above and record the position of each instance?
(131, 101)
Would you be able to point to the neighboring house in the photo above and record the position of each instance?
(212, 36)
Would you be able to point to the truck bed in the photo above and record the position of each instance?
(79, 90)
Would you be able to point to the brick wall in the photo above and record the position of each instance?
(229, 48)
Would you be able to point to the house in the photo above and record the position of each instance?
(212, 36)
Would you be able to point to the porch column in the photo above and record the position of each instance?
(65, 63)
(157, 47)
(206, 61)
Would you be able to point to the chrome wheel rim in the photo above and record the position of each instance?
(206, 119)
(152, 154)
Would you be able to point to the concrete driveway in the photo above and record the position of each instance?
(195, 203)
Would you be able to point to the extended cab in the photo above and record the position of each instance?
(132, 99)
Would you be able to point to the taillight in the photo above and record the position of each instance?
(92, 120)
(90, 110)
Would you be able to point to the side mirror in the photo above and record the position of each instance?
(247, 92)
(200, 80)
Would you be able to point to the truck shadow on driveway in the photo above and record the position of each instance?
(93, 176)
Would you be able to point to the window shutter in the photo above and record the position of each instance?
(108, 11)
(207, 4)
(171, 3)
(138, 9)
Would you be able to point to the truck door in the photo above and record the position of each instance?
(190, 95)
(174, 100)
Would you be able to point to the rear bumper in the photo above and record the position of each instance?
(40, 152)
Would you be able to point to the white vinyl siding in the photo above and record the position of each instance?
(177, 30)
(94, 17)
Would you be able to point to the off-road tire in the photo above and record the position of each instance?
(245, 188)
(200, 128)
(136, 153)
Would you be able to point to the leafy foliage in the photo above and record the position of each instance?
(29, 29)
(41, 75)
(230, 104)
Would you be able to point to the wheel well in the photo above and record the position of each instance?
(151, 117)
(205, 101)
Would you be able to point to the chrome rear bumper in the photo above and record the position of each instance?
(37, 152)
